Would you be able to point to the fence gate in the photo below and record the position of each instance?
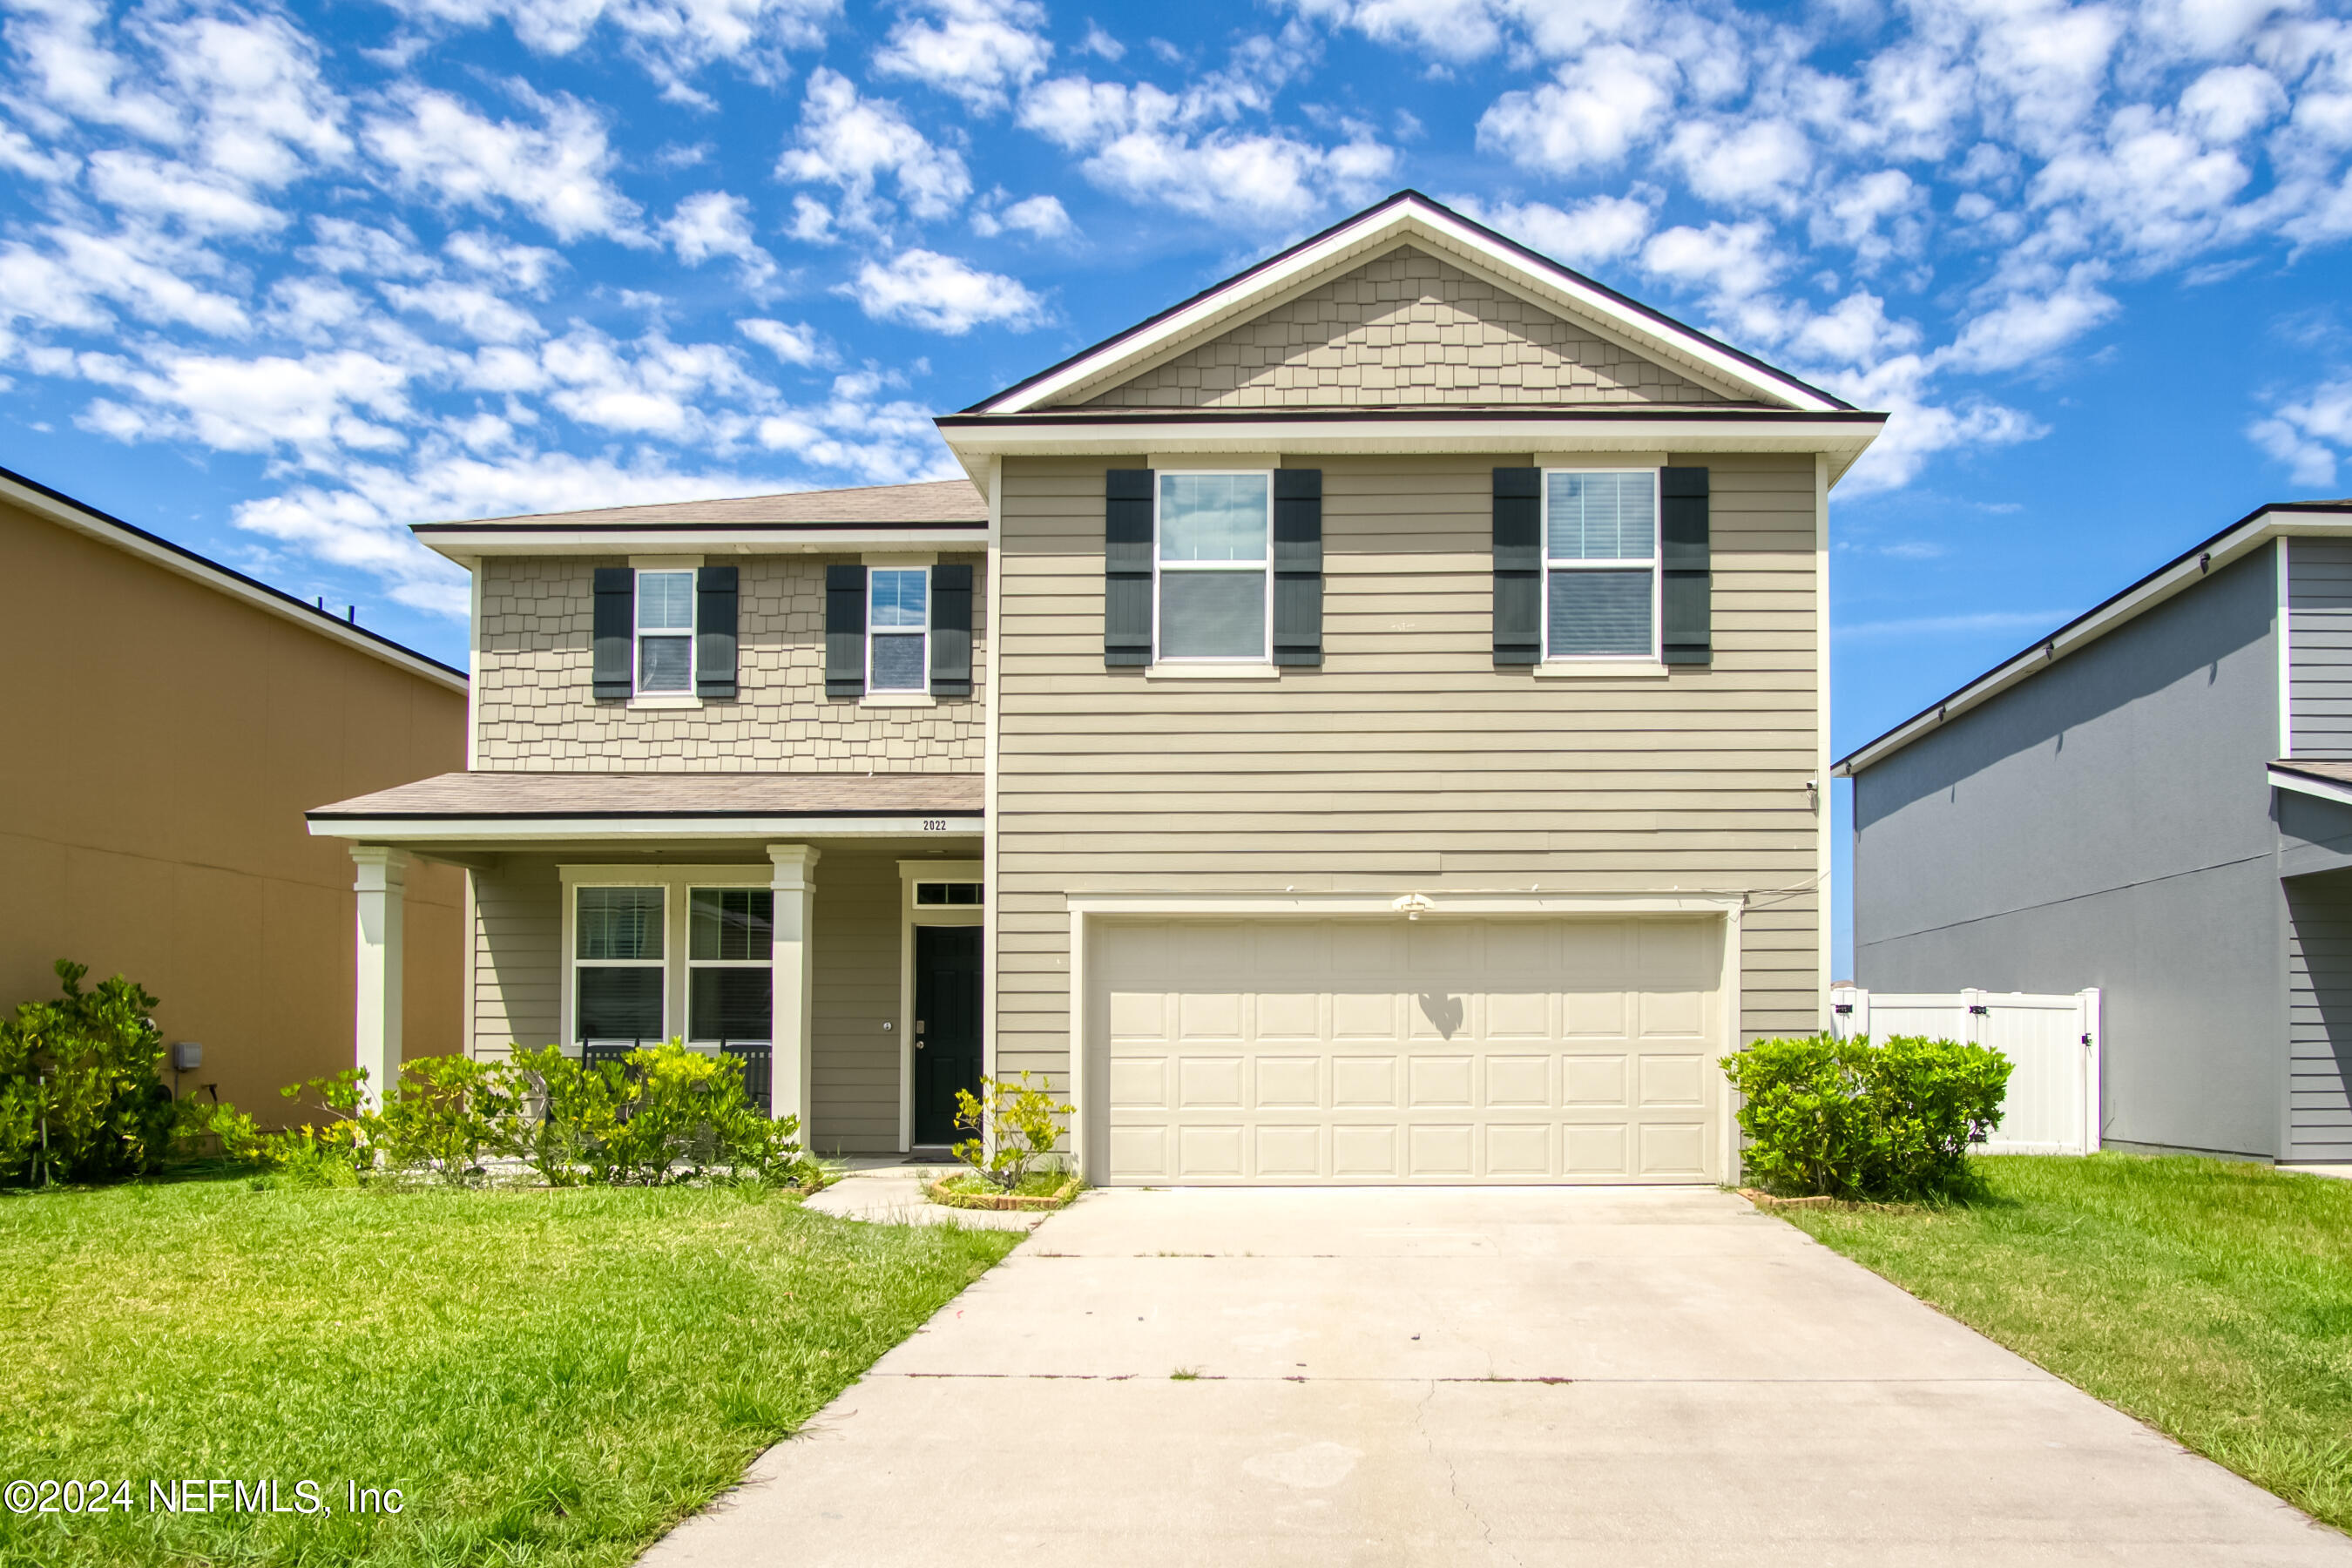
(2051, 1042)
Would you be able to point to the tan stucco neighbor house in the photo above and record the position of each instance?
(1364, 723)
(170, 720)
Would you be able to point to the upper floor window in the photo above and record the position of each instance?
(1600, 565)
(1213, 543)
(898, 622)
(666, 631)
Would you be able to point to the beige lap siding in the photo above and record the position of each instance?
(536, 706)
(1407, 761)
(518, 975)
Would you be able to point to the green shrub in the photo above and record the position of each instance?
(664, 1114)
(1012, 1127)
(81, 1092)
(1858, 1121)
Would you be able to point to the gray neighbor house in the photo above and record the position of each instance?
(2156, 799)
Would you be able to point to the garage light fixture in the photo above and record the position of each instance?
(1412, 906)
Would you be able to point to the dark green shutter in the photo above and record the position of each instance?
(1688, 586)
(1298, 566)
(844, 631)
(617, 613)
(1126, 567)
(951, 631)
(1518, 567)
(714, 632)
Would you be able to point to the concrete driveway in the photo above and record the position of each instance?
(1499, 1377)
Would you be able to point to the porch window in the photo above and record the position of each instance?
(666, 631)
(730, 964)
(1600, 565)
(617, 964)
(897, 620)
(1214, 535)
(948, 894)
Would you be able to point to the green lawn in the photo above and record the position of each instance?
(548, 1377)
(2211, 1299)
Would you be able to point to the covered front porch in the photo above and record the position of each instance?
(824, 928)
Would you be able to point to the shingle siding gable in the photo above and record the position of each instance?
(1405, 329)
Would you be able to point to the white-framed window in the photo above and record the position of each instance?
(1600, 564)
(948, 895)
(619, 970)
(898, 628)
(666, 632)
(1213, 578)
(729, 964)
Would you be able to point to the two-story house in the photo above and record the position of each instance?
(2156, 799)
(1365, 723)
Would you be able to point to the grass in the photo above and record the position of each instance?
(1036, 1184)
(2211, 1299)
(549, 1377)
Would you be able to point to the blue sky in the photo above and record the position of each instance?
(278, 283)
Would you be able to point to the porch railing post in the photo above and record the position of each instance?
(795, 986)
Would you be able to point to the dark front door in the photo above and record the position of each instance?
(947, 1028)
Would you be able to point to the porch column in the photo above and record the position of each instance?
(794, 1025)
(383, 883)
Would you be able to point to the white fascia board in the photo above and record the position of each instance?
(2183, 575)
(221, 581)
(2303, 785)
(484, 830)
(1439, 903)
(469, 546)
(974, 440)
(1375, 230)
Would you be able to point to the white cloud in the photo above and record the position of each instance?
(1597, 229)
(2228, 103)
(1590, 118)
(474, 311)
(852, 143)
(671, 38)
(1730, 260)
(976, 49)
(1876, 217)
(433, 144)
(677, 392)
(1150, 144)
(2028, 326)
(714, 223)
(2310, 435)
(160, 189)
(794, 342)
(1042, 217)
(311, 406)
(1749, 162)
(941, 294)
(1456, 30)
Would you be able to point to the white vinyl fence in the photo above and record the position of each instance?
(2052, 1105)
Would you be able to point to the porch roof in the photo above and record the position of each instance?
(2328, 781)
(534, 805)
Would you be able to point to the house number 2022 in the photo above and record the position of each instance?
(935, 825)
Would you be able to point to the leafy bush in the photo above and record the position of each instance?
(1012, 1127)
(663, 1114)
(1858, 1121)
(81, 1093)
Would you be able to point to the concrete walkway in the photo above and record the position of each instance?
(1505, 1376)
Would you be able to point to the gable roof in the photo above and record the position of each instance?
(1407, 215)
(944, 512)
(2183, 571)
(56, 506)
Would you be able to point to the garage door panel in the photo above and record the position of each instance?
(1519, 1149)
(1440, 1151)
(1138, 1083)
(1208, 1153)
(1466, 1050)
(1209, 1083)
(1519, 1083)
(1594, 1080)
(1289, 1083)
(1285, 1152)
(1361, 1152)
(1360, 1082)
(1438, 1082)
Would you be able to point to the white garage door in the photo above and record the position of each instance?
(1440, 1050)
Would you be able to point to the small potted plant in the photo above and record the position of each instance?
(1014, 1127)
